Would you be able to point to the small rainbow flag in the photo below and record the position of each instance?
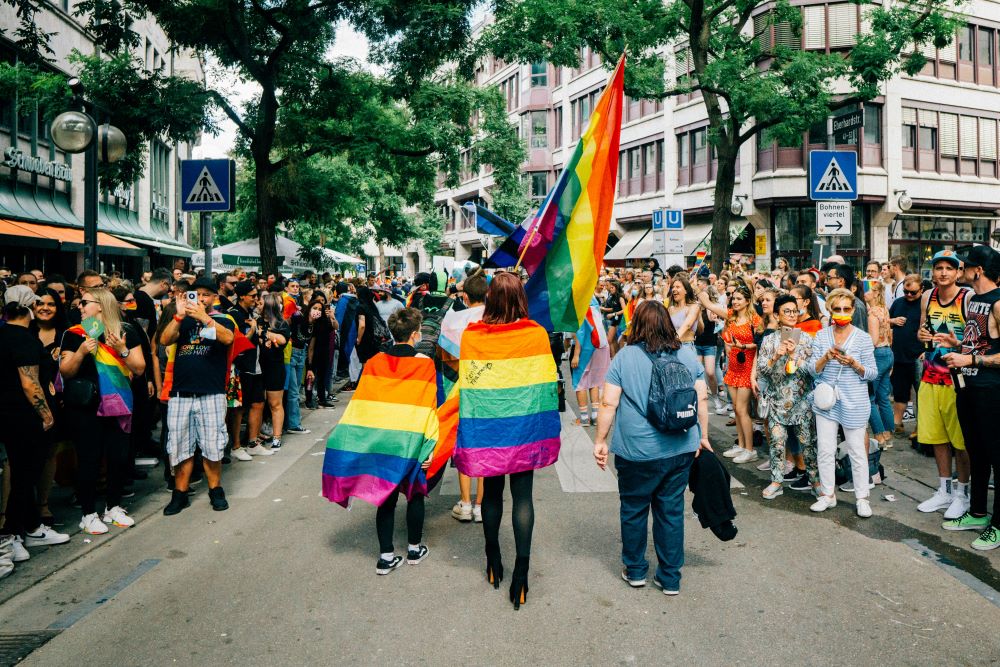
(113, 382)
(629, 314)
(508, 413)
(565, 249)
(868, 284)
(389, 429)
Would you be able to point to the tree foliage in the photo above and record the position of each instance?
(748, 85)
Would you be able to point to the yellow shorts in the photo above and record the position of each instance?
(937, 416)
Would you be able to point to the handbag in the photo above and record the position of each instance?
(80, 393)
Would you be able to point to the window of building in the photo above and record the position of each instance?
(539, 74)
(794, 230)
(511, 90)
(538, 184)
(949, 143)
(970, 57)
(557, 127)
(700, 139)
(581, 108)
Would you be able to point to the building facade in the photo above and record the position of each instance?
(42, 188)
(928, 176)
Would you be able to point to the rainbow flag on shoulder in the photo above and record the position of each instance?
(508, 405)
(114, 382)
(389, 429)
(565, 248)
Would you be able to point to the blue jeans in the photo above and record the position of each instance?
(659, 484)
(882, 418)
(293, 383)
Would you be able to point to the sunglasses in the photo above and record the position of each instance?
(912, 292)
(84, 302)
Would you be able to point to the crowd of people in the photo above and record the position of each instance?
(223, 364)
(816, 367)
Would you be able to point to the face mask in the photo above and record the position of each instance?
(802, 311)
(841, 319)
(635, 293)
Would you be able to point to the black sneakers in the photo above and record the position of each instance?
(387, 566)
(178, 501)
(217, 497)
(793, 474)
(414, 556)
(801, 484)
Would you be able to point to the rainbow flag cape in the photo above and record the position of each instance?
(453, 326)
(389, 429)
(570, 232)
(508, 405)
(592, 336)
(629, 314)
(113, 382)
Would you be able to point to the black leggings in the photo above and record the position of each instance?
(523, 513)
(385, 519)
(320, 367)
(98, 437)
(27, 449)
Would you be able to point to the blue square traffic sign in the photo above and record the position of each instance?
(833, 175)
(666, 218)
(208, 185)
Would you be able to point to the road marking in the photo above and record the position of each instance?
(945, 564)
(105, 595)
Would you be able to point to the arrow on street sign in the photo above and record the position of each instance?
(833, 218)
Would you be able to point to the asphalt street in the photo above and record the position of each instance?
(286, 578)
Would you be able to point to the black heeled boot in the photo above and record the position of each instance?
(494, 565)
(519, 582)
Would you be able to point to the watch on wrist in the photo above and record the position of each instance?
(124, 355)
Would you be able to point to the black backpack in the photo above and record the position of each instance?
(672, 406)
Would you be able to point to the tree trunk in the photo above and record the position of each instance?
(265, 219)
(725, 182)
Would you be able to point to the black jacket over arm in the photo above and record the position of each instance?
(709, 482)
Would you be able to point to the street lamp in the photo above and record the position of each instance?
(904, 202)
(736, 208)
(78, 132)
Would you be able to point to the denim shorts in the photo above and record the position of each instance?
(706, 350)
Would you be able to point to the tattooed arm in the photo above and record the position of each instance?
(33, 392)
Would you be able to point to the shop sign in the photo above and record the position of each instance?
(18, 159)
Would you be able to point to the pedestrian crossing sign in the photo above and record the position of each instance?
(833, 175)
(207, 185)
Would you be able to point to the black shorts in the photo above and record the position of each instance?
(274, 376)
(253, 388)
(903, 379)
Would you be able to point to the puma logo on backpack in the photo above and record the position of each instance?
(672, 406)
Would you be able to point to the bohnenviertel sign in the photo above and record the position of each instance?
(18, 159)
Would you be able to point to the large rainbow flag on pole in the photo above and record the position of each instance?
(389, 429)
(508, 404)
(564, 250)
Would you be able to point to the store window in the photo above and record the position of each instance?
(794, 233)
(919, 237)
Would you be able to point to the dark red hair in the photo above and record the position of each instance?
(651, 326)
(506, 301)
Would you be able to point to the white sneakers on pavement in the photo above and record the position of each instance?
(44, 536)
(746, 456)
(462, 512)
(720, 406)
(940, 500)
(477, 513)
(864, 508)
(959, 501)
(735, 450)
(17, 551)
(258, 450)
(119, 517)
(241, 454)
(92, 525)
(824, 503)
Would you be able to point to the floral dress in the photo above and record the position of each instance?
(738, 373)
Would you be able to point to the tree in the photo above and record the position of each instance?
(144, 104)
(750, 83)
(398, 129)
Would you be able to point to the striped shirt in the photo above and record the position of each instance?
(854, 406)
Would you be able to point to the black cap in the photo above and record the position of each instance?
(422, 278)
(244, 287)
(206, 283)
(980, 255)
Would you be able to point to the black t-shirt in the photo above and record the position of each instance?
(274, 355)
(145, 313)
(225, 303)
(707, 337)
(201, 365)
(905, 346)
(246, 362)
(88, 369)
(18, 348)
(301, 331)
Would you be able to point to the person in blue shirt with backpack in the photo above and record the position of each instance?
(655, 394)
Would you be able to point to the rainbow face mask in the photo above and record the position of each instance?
(840, 319)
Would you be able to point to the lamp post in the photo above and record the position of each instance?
(78, 132)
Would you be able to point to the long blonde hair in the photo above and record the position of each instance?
(110, 309)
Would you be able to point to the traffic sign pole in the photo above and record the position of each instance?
(206, 241)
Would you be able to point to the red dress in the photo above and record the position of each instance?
(737, 373)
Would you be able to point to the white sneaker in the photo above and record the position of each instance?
(258, 450)
(959, 504)
(735, 450)
(18, 553)
(93, 525)
(766, 465)
(6, 566)
(824, 503)
(119, 517)
(864, 508)
(477, 513)
(720, 407)
(44, 536)
(939, 501)
(462, 512)
(241, 454)
(746, 456)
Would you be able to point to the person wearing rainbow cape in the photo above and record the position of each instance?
(508, 418)
(382, 445)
